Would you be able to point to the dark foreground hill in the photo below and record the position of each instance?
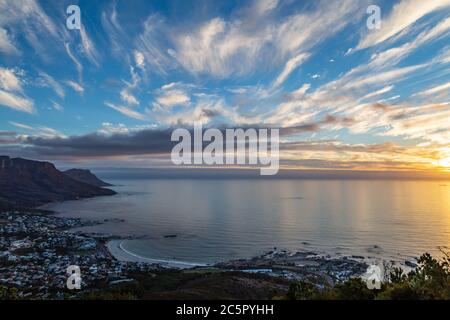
(86, 176)
(28, 184)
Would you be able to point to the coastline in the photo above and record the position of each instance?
(114, 244)
(42, 246)
(116, 249)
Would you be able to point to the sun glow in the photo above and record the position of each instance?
(445, 163)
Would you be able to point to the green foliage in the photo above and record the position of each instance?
(7, 293)
(354, 289)
(397, 276)
(302, 290)
(131, 291)
(430, 280)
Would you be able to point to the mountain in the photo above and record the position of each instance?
(27, 184)
(86, 176)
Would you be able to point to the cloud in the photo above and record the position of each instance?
(21, 125)
(442, 88)
(236, 47)
(9, 81)
(125, 93)
(205, 109)
(378, 92)
(150, 141)
(240, 63)
(88, 47)
(392, 75)
(126, 111)
(11, 92)
(171, 98)
(48, 81)
(209, 48)
(426, 122)
(316, 126)
(304, 30)
(428, 126)
(120, 128)
(300, 92)
(263, 7)
(39, 131)
(152, 43)
(75, 86)
(338, 96)
(290, 66)
(118, 142)
(6, 45)
(27, 19)
(117, 37)
(108, 128)
(78, 65)
(44, 132)
(403, 15)
(9, 137)
(57, 106)
(128, 97)
(139, 59)
(394, 55)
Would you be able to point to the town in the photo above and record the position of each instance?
(36, 250)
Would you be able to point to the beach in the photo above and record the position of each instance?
(117, 250)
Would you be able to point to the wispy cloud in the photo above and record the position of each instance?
(27, 18)
(152, 43)
(57, 106)
(403, 15)
(6, 44)
(171, 98)
(445, 88)
(128, 97)
(139, 59)
(394, 55)
(88, 47)
(290, 66)
(77, 63)
(234, 66)
(126, 111)
(16, 102)
(75, 86)
(9, 80)
(378, 92)
(11, 92)
(48, 81)
(41, 132)
(118, 38)
(21, 125)
(234, 47)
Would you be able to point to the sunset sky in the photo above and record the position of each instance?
(346, 97)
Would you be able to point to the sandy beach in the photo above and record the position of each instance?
(116, 248)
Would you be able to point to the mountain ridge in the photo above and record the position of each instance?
(28, 184)
(86, 176)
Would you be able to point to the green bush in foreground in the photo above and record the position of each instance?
(8, 293)
(429, 281)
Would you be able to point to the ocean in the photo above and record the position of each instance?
(216, 219)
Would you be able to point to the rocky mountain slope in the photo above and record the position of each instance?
(86, 176)
(28, 184)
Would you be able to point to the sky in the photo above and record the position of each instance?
(346, 96)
